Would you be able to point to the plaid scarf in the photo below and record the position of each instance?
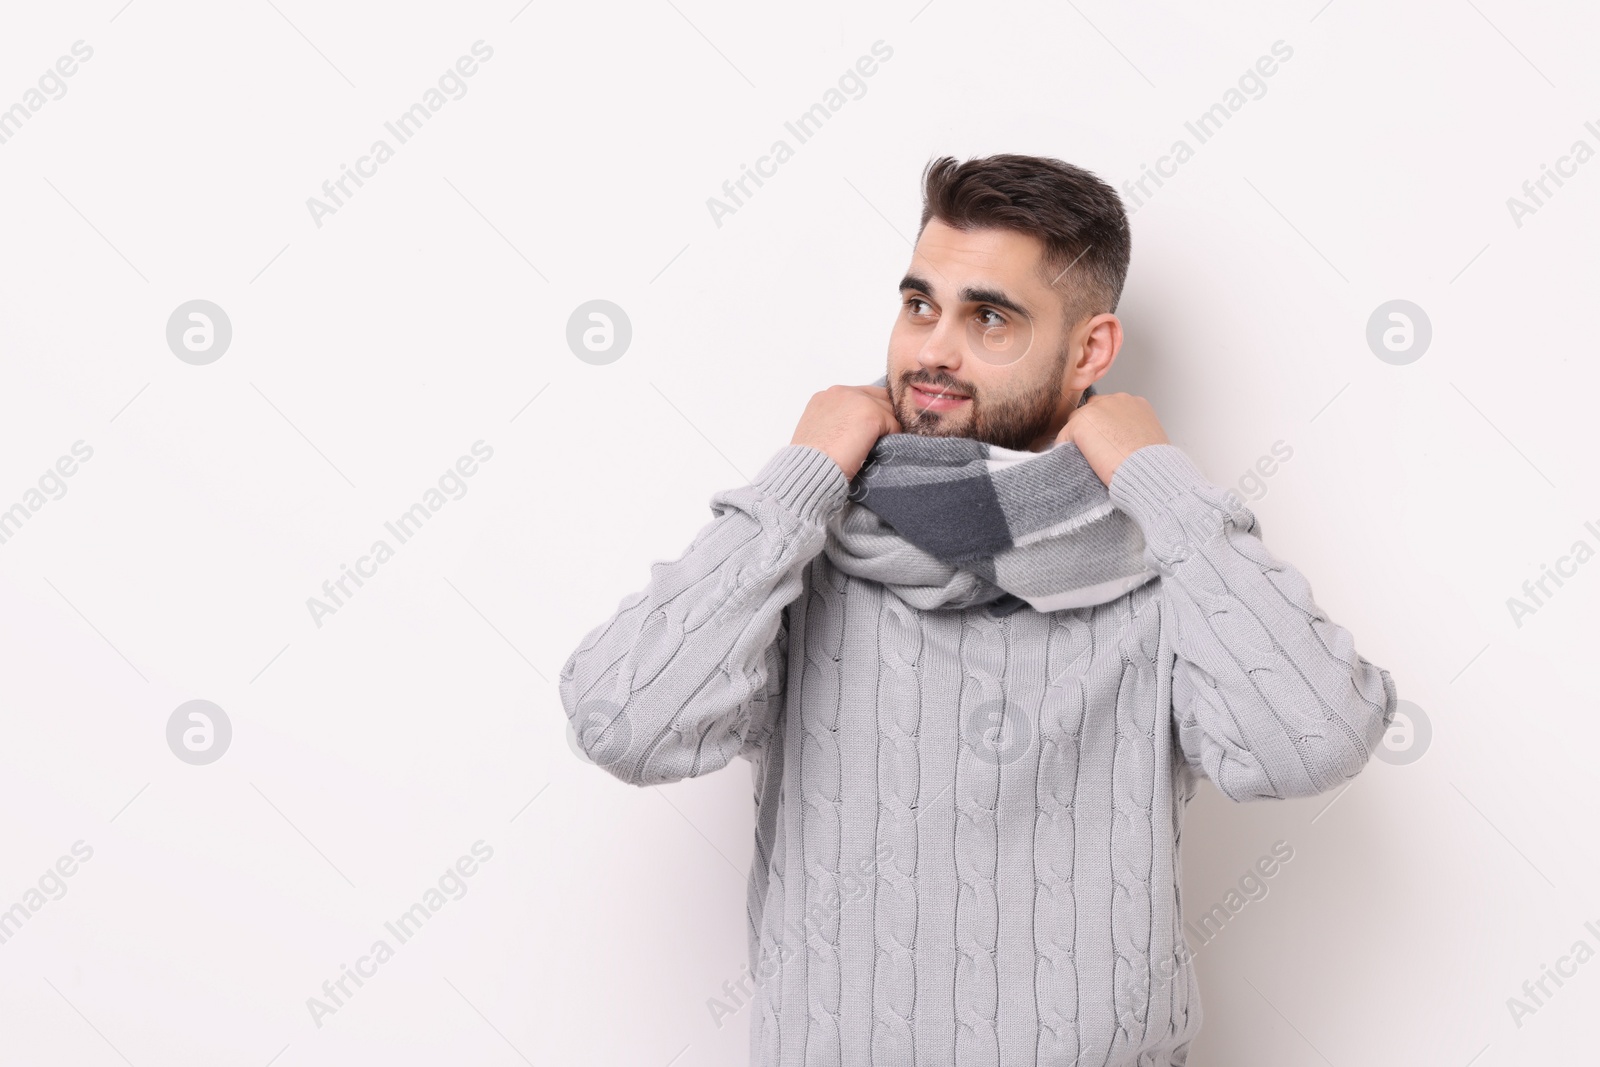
(951, 522)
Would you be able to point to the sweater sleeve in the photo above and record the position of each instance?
(689, 672)
(1269, 696)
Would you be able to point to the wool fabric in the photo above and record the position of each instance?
(968, 822)
(944, 518)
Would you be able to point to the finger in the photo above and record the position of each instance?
(890, 417)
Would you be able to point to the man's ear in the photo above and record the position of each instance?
(1101, 344)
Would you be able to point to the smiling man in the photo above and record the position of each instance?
(980, 632)
(993, 290)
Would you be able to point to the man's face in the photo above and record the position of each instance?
(979, 320)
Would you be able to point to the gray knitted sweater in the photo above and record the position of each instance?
(967, 820)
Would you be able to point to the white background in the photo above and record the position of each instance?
(430, 312)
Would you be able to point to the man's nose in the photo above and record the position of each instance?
(944, 347)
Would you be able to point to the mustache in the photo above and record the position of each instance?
(948, 386)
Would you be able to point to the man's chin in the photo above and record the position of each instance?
(931, 424)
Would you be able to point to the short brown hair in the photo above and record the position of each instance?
(1078, 217)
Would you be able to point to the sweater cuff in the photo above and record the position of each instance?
(1149, 477)
(1176, 508)
(805, 480)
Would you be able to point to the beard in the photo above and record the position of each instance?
(1013, 422)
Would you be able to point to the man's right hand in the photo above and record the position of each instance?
(845, 421)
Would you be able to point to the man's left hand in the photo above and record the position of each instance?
(1110, 427)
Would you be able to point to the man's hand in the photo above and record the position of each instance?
(1109, 427)
(845, 421)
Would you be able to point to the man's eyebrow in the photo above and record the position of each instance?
(995, 297)
(969, 295)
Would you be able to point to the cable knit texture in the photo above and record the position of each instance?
(968, 821)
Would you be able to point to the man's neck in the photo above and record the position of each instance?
(1048, 438)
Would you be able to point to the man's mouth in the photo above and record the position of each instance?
(934, 398)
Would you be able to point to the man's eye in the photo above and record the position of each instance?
(998, 320)
(912, 302)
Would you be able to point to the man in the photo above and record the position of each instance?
(979, 637)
